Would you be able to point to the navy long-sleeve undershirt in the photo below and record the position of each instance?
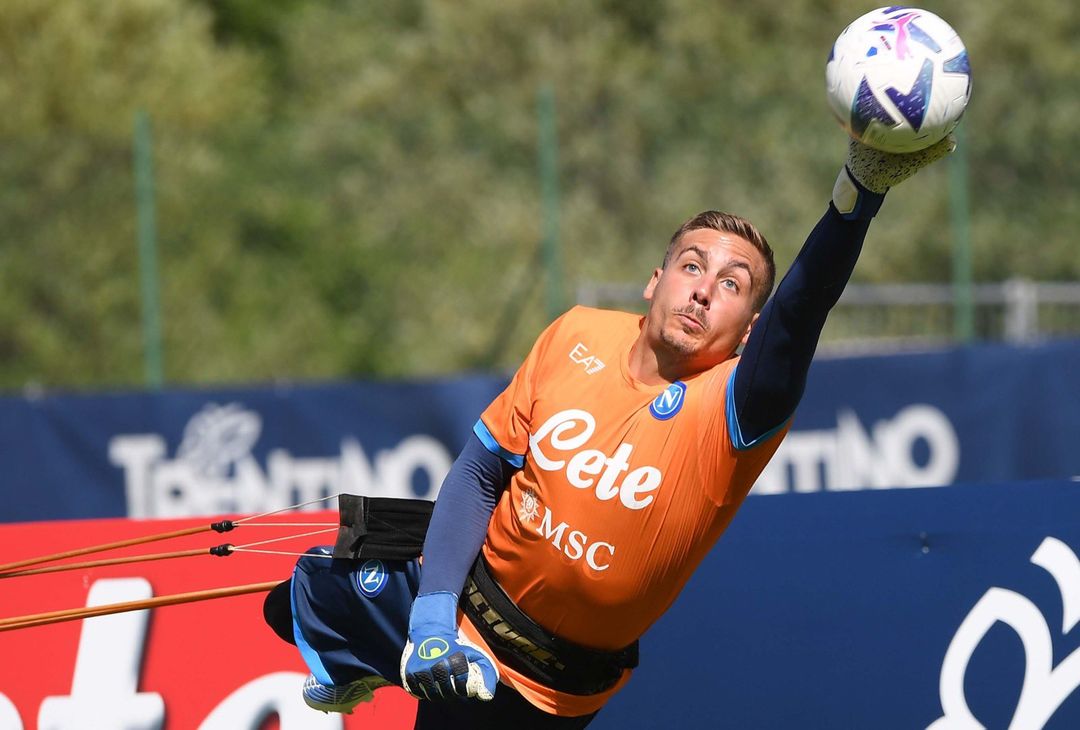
(460, 521)
(768, 383)
(771, 375)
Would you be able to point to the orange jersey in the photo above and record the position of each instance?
(623, 488)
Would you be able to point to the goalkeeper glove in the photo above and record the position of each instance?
(869, 173)
(439, 663)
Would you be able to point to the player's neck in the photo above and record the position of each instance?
(650, 365)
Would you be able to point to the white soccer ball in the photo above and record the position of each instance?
(898, 79)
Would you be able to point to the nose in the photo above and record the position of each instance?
(700, 295)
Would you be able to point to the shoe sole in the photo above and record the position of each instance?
(362, 690)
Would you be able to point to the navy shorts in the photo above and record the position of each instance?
(351, 620)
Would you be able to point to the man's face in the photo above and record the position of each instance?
(701, 303)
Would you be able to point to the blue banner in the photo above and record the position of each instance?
(842, 602)
(930, 608)
(980, 414)
(252, 450)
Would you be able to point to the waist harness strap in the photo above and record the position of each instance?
(381, 527)
(522, 644)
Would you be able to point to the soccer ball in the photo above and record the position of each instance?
(898, 79)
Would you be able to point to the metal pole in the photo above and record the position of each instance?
(549, 186)
(963, 303)
(147, 232)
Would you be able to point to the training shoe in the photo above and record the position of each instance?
(340, 697)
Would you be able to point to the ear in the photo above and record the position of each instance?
(750, 326)
(651, 286)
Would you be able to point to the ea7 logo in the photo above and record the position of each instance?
(580, 355)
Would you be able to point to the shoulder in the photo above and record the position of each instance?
(606, 321)
(587, 333)
(595, 330)
(716, 380)
(723, 371)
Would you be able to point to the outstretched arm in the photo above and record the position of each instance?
(771, 375)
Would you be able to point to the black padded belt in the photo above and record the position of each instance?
(521, 643)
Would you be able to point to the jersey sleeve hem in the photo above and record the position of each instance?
(734, 431)
(481, 430)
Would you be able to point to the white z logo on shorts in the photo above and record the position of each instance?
(371, 578)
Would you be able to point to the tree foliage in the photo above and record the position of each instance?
(351, 188)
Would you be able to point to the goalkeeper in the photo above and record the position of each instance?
(593, 485)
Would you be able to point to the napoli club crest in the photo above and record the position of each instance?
(668, 403)
(371, 578)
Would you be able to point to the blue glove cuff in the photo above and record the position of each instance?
(434, 614)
